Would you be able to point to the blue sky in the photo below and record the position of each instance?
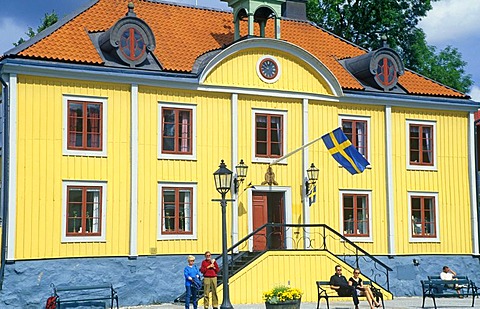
(451, 22)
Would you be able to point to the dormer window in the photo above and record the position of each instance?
(386, 73)
(377, 70)
(129, 41)
(132, 44)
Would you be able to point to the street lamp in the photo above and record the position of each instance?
(312, 174)
(223, 183)
(241, 170)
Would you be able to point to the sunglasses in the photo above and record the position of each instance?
(208, 255)
(356, 272)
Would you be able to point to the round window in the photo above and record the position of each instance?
(132, 44)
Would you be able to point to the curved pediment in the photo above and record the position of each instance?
(263, 63)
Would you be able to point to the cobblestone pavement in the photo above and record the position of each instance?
(397, 303)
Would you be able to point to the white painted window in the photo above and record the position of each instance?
(421, 145)
(84, 211)
(177, 211)
(423, 217)
(84, 126)
(356, 215)
(269, 135)
(177, 134)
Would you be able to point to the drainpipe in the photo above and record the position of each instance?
(477, 180)
(5, 169)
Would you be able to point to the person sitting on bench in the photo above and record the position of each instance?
(448, 274)
(362, 290)
(339, 283)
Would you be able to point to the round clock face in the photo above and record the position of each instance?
(268, 68)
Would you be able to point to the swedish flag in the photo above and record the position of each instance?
(344, 152)
(312, 195)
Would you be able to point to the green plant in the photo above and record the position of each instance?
(281, 293)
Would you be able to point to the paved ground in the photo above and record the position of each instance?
(397, 303)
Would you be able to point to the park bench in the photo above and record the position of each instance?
(324, 291)
(89, 295)
(435, 288)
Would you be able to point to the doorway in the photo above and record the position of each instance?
(268, 207)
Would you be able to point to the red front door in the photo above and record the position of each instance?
(268, 208)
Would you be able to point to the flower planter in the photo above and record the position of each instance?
(291, 304)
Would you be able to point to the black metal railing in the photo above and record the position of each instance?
(276, 236)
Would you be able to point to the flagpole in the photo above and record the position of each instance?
(295, 151)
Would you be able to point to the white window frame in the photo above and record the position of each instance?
(407, 138)
(102, 237)
(85, 153)
(359, 118)
(192, 186)
(192, 156)
(409, 219)
(368, 193)
(256, 111)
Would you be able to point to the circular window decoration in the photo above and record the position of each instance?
(386, 73)
(268, 69)
(132, 44)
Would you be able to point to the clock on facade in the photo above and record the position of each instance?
(268, 69)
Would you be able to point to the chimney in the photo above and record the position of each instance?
(295, 9)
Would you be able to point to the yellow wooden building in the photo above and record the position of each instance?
(116, 118)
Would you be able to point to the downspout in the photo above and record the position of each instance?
(477, 180)
(5, 164)
(472, 185)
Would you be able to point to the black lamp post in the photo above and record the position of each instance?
(223, 183)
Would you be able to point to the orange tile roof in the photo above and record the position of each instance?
(183, 33)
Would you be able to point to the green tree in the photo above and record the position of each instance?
(365, 22)
(47, 21)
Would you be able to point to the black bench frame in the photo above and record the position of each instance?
(323, 292)
(77, 294)
(438, 288)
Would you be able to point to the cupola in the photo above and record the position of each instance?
(256, 11)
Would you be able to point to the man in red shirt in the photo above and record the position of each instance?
(210, 269)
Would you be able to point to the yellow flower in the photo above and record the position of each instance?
(281, 293)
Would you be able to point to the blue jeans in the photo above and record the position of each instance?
(190, 296)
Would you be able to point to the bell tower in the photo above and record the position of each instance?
(256, 11)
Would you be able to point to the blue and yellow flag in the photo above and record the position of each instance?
(344, 152)
(312, 195)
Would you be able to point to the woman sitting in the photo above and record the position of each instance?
(362, 290)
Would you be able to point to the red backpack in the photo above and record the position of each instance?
(51, 302)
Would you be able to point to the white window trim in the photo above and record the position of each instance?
(284, 137)
(161, 155)
(86, 153)
(435, 156)
(361, 118)
(102, 237)
(369, 238)
(161, 236)
(409, 219)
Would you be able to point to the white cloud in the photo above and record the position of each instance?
(451, 19)
(11, 32)
(475, 93)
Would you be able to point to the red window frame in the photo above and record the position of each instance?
(420, 145)
(351, 221)
(172, 222)
(77, 220)
(264, 136)
(354, 136)
(85, 130)
(181, 139)
(421, 226)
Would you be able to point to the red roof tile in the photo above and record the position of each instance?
(183, 33)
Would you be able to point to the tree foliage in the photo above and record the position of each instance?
(367, 22)
(47, 21)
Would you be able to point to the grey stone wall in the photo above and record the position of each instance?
(159, 279)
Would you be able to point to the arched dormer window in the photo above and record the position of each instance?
(129, 40)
